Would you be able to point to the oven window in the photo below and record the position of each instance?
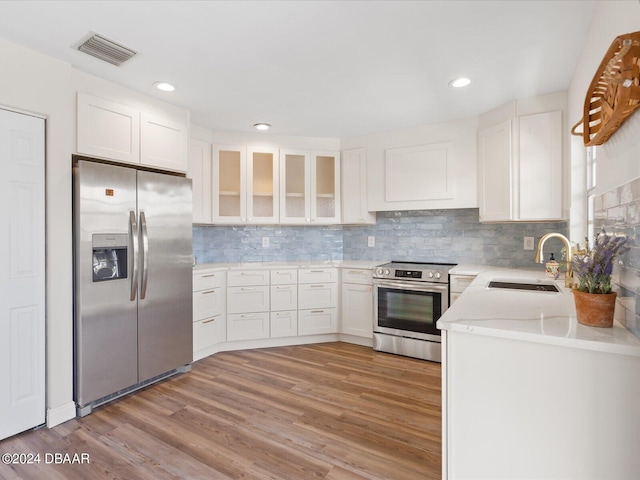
(409, 310)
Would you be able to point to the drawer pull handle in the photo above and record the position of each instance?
(317, 311)
(208, 321)
(317, 271)
(316, 286)
(283, 288)
(248, 274)
(357, 272)
(247, 316)
(209, 276)
(246, 289)
(208, 292)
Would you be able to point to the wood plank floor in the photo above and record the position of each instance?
(332, 411)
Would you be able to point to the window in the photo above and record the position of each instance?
(591, 190)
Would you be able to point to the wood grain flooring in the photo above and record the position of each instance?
(332, 411)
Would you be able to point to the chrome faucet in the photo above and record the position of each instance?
(568, 276)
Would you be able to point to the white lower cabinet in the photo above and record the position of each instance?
(248, 305)
(248, 299)
(357, 310)
(241, 305)
(317, 321)
(284, 324)
(209, 311)
(317, 295)
(317, 301)
(457, 285)
(247, 326)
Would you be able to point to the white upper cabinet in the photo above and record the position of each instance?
(520, 164)
(354, 188)
(200, 174)
(494, 172)
(262, 185)
(163, 143)
(540, 167)
(245, 185)
(423, 168)
(107, 129)
(309, 187)
(229, 184)
(419, 173)
(113, 131)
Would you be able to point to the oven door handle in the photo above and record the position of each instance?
(431, 287)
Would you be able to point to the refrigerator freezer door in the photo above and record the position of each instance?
(165, 338)
(105, 317)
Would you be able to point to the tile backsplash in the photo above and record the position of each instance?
(450, 236)
(618, 212)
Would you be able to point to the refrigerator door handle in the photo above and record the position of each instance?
(145, 255)
(133, 228)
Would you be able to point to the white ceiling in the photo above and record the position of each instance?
(319, 68)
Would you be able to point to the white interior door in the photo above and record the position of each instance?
(22, 278)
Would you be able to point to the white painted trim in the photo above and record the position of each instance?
(61, 414)
(23, 111)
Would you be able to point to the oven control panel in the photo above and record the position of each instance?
(408, 274)
(427, 272)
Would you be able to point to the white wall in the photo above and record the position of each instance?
(37, 83)
(619, 157)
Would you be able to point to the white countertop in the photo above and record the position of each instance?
(366, 264)
(470, 269)
(542, 317)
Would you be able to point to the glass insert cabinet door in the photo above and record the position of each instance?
(229, 184)
(245, 185)
(309, 186)
(262, 185)
(295, 205)
(325, 187)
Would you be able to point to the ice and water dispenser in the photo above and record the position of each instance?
(109, 256)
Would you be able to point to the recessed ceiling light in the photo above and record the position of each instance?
(164, 86)
(460, 82)
(261, 126)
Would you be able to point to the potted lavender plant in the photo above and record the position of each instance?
(595, 301)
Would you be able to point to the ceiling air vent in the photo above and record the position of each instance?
(107, 50)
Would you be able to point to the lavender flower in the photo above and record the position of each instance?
(594, 267)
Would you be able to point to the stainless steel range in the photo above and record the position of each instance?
(409, 298)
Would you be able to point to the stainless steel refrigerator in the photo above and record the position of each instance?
(133, 277)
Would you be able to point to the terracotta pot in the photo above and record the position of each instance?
(595, 309)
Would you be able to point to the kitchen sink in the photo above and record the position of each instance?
(529, 286)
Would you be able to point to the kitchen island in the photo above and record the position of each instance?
(530, 393)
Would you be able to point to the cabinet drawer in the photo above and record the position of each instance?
(317, 295)
(284, 324)
(208, 332)
(247, 299)
(247, 277)
(357, 275)
(247, 326)
(205, 280)
(317, 321)
(459, 282)
(284, 297)
(317, 275)
(208, 303)
(284, 277)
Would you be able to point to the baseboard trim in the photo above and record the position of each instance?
(61, 414)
